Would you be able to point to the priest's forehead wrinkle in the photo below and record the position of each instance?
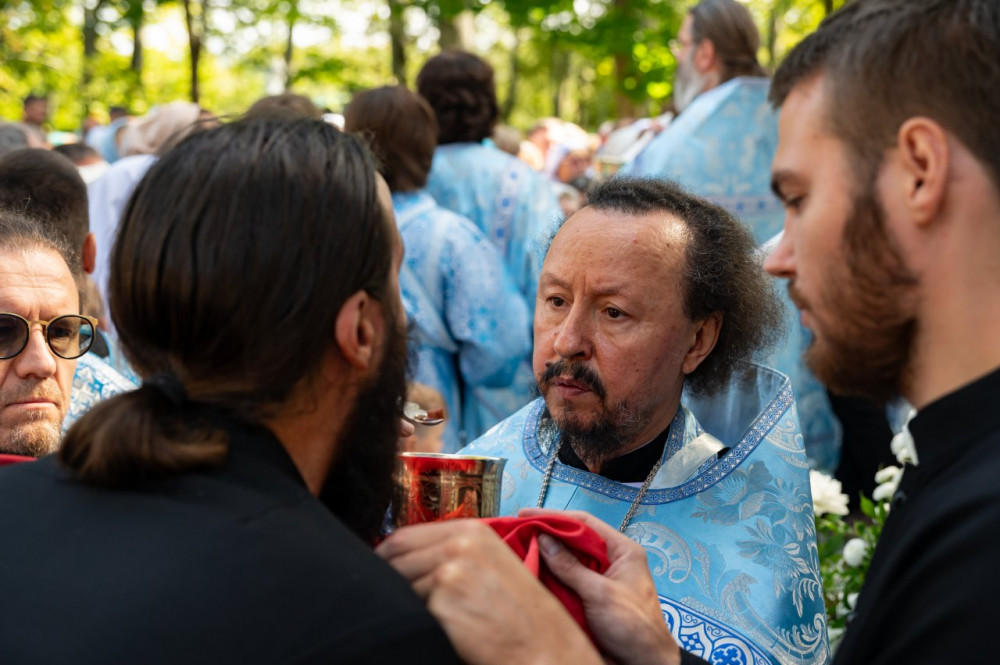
(669, 234)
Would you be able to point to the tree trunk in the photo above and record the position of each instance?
(89, 44)
(449, 33)
(772, 35)
(293, 15)
(515, 71)
(136, 64)
(195, 29)
(624, 106)
(559, 71)
(397, 37)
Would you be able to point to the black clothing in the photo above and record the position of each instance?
(932, 594)
(239, 564)
(632, 467)
(865, 448)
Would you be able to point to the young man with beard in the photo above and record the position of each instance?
(646, 293)
(254, 282)
(889, 167)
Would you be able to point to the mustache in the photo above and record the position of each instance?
(40, 390)
(575, 371)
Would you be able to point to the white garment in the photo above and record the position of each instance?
(108, 196)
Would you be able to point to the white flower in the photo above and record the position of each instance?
(826, 494)
(889, 474)
(885, 491)
(852, 599)
(902, 444)
(854, 552)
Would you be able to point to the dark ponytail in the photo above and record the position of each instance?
(234, 257)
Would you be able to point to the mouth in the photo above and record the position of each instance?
(33, 403)
(567, 387)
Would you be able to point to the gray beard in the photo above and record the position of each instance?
(688, 84)
(33, 439)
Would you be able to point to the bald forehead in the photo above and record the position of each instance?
(661, 234)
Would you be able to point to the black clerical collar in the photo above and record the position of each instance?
(632, 467)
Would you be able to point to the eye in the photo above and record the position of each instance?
(793, 203)
(556, 301)
(614, 313)
(63, 329)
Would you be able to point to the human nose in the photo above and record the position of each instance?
(37, 358)
(781, 261)
(573, 339)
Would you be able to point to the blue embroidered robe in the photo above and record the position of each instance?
(731, 546)
(511, 204)
(95, 380)
(721, 147)
(472, 325)
(517, 210)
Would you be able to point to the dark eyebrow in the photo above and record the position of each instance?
(549, 278)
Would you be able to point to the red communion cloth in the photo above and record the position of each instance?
(521, 534)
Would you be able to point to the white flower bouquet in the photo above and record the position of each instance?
(846, 545)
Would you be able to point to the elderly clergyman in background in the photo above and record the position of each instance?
(42, 333)
(650, 303)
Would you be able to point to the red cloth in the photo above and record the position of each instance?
(521, 533)
(14, 459)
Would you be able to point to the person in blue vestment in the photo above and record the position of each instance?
(509, 202)
(514, 206)
(472, 324)
(94, 381)
(651, 303)
(720, 146)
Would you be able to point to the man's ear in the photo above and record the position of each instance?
(89, 254)
(357, 330)
(924, 159)
(704, 56)
(706, 334)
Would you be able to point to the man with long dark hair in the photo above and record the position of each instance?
(207, 517)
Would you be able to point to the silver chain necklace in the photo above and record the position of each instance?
(635, 502)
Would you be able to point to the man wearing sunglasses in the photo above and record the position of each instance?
(42, 333)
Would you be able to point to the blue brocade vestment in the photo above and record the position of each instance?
(94, 380)
(731, 546)
(517, 210)
(472, 325)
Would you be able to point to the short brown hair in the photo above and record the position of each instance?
(888, 60)
(47, 187)
(730, 28)
(401, 130)
(459, 87)
(287, 105)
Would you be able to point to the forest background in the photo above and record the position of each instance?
(585, 61)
